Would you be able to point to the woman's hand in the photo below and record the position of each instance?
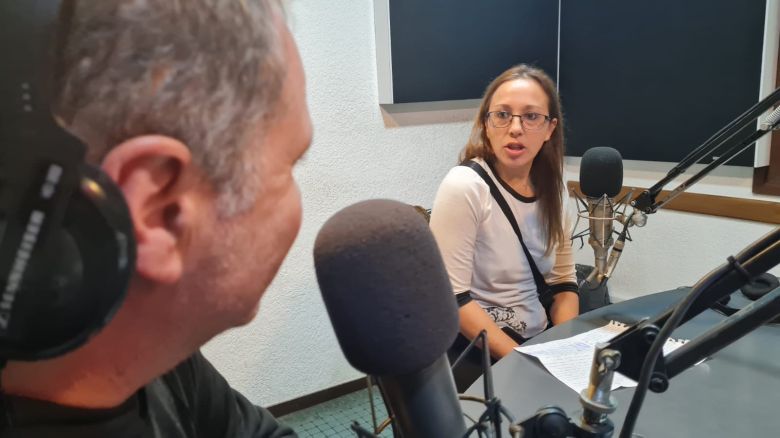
(474, 319)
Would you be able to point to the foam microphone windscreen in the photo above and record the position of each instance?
(601, 172)
(385, 287)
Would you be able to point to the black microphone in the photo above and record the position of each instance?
(601, 178)
(391, 304)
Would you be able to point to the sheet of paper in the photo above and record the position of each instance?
(569, 360)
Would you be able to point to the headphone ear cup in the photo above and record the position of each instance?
(77, 282)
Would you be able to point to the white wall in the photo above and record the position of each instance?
(362, 151)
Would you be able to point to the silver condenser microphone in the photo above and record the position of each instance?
(601, 179)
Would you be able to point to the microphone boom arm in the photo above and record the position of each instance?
(646, 201)
(731, 138)
(634, 343)
(629, 352)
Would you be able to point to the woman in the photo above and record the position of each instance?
(517, 137)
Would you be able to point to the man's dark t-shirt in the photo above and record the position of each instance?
(191, 401)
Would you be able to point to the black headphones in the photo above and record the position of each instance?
(67, 249)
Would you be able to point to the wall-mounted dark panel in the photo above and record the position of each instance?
(655, 79)
(452, 49)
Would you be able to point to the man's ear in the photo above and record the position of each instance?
(156, 176)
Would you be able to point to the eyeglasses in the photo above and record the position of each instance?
(529, 121)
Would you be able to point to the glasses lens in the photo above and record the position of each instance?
(500, 119)
(533, 121)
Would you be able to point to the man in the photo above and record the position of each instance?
(196, 108)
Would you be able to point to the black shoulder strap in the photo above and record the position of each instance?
(541, 285)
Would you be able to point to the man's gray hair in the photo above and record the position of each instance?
(206, 72)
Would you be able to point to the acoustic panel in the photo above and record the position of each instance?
(656, 79)
(452, 49)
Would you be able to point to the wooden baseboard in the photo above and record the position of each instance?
(723, 206)
(316, 398)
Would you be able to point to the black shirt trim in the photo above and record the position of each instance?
(563, 287)
(463, 298)
(508, 188)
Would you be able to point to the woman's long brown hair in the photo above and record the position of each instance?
(547, 167)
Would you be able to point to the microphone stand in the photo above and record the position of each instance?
(491, 417)
(655, 370)
(489, 423)
(731, 140)
(637, 353)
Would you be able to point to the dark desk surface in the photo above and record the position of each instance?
(734, 394)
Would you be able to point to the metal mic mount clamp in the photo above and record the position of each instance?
(634, 218)
(596, 400)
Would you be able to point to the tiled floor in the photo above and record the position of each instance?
(333, 418)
